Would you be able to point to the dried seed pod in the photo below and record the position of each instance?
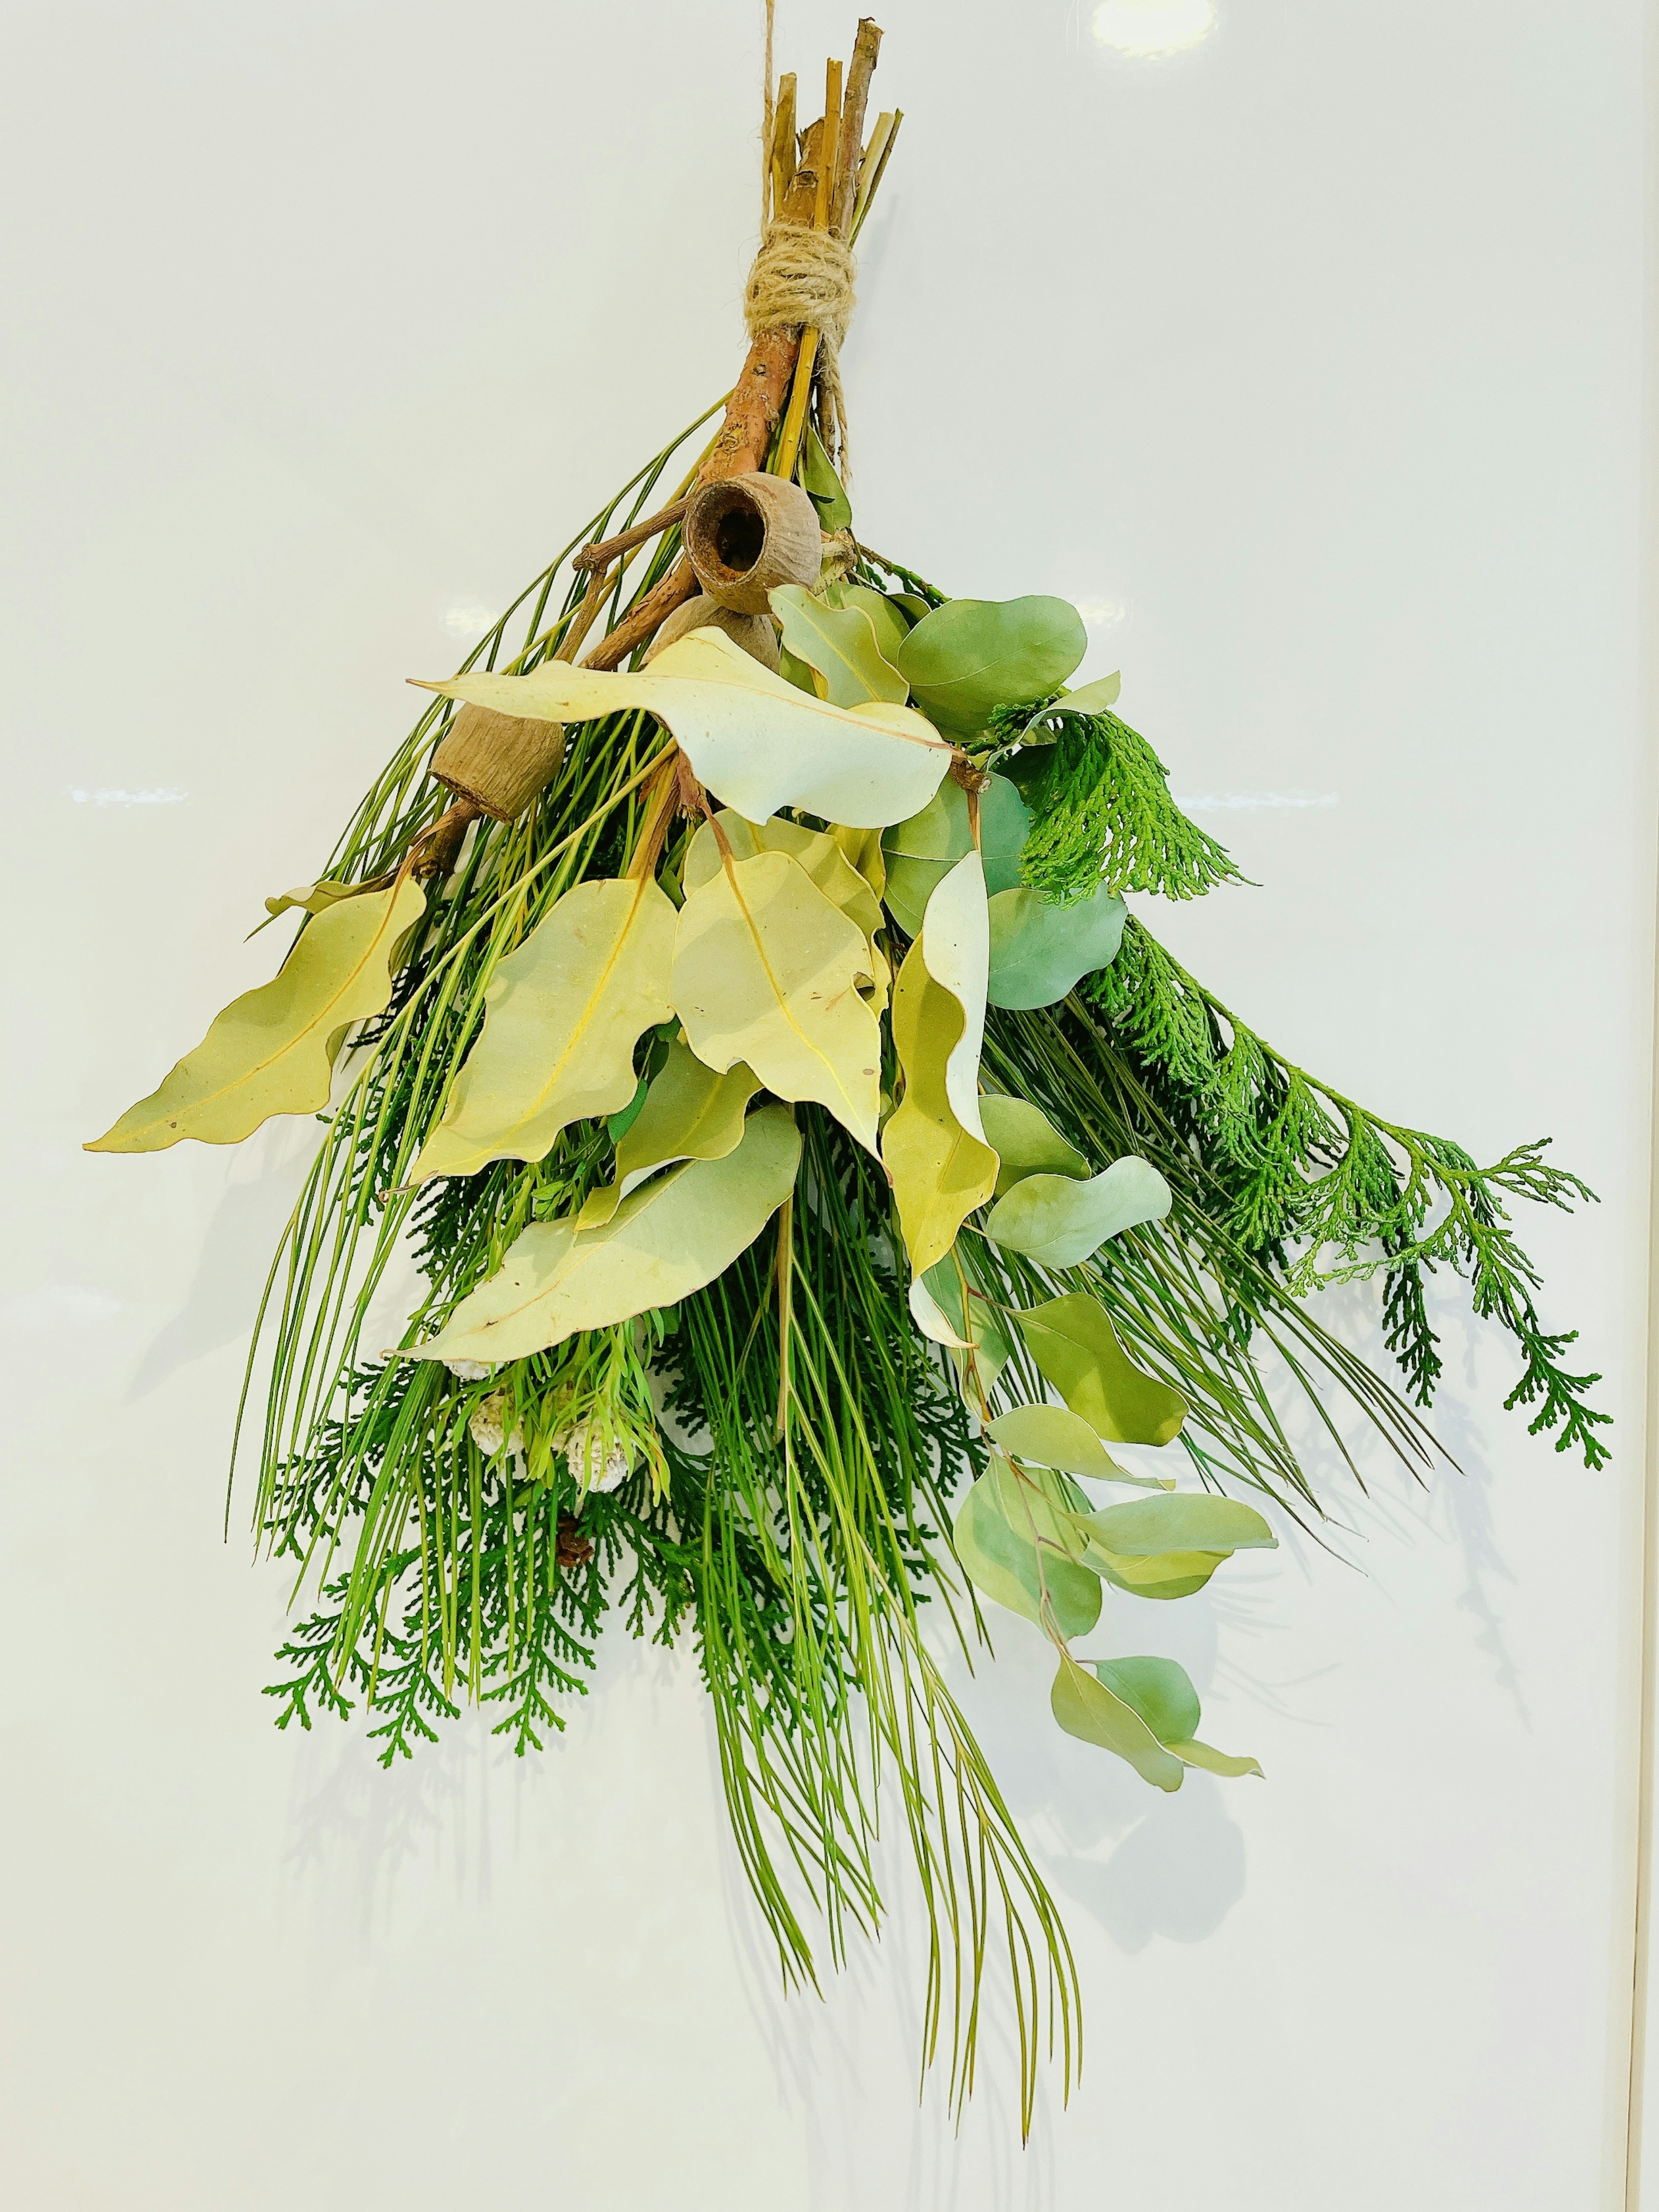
(745, 534)
(754, 633)
(499, 761)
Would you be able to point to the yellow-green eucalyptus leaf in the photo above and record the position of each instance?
(272, 1050)
(1171, 1575)
(997, 1539)
(1026, 1142)
(822, 485)
(1189, 1521)
(1161, 1692)
(1076, 1348)
(562, 1016)
(862, 847)
(1214, 1761)
(940, 1170)
(315, 898)
(1053, 1437)
(1085, 1708)
(1059, 1222)
(956, 946)
(890, 621)
(690, 1112)
(973, 1319)
(666, 1239)
(752, 737)
(1091, 698)
(766, 971)
(820, 854)
(840, 644)
(931, 1318)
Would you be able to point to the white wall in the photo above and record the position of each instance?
(1311, 358)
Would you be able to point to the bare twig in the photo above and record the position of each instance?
(603, 550)
(859, 70)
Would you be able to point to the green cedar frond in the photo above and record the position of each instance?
(875, 569)
(1316, 1190)
(1100, 810)
(1187, 1300)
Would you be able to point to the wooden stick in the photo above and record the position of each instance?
(592, 599)
(783, 142)
(803, 193)
(831, 143)
(655, 607)
(859, 70)
(795, 422)
(872, 176)
(764, 388)
(603, 550)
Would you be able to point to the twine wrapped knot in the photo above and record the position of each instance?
(802, 279)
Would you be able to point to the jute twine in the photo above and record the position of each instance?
(803, 278)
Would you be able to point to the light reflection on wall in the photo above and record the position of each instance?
(1144, 30)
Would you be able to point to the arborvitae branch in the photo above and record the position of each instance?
(1312, 1184)
(1101, 812)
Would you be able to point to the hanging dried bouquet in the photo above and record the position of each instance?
(727, 1001)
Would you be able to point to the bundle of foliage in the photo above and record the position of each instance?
(812, 1176)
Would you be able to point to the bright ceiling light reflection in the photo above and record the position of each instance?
(1146, 28)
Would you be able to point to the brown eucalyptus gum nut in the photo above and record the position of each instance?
(754, 633)
(499, 761)
(745, 535)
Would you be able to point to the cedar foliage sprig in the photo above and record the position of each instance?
(1303, 1173)
(1101, 812)
(525, 1617)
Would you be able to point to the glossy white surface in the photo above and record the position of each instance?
(1308, 357)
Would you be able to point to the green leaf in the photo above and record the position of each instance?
(315, 898)
(824, 858)
(840, 643)
(1055, 1438)
(1159, 1690)
(1076, 1349)
(765, 971)
(1040, 948)
(976, 1320)
(940, 1169)
(750, 736)
(796, 672)
(1214, 1762)
(996, 1539)
(272, 1050)
(1188, 1521)
(921, 851)
(1085, 1708)
(688, 1113)
(1091, 698)
(822, 485)
(971, 656)
(666, 1239)
(954, 942)
(1026, 1141)
(890, 621)
(1162, 1693)
(1059, 1222)
(562, 1016)
(1168, 1548)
